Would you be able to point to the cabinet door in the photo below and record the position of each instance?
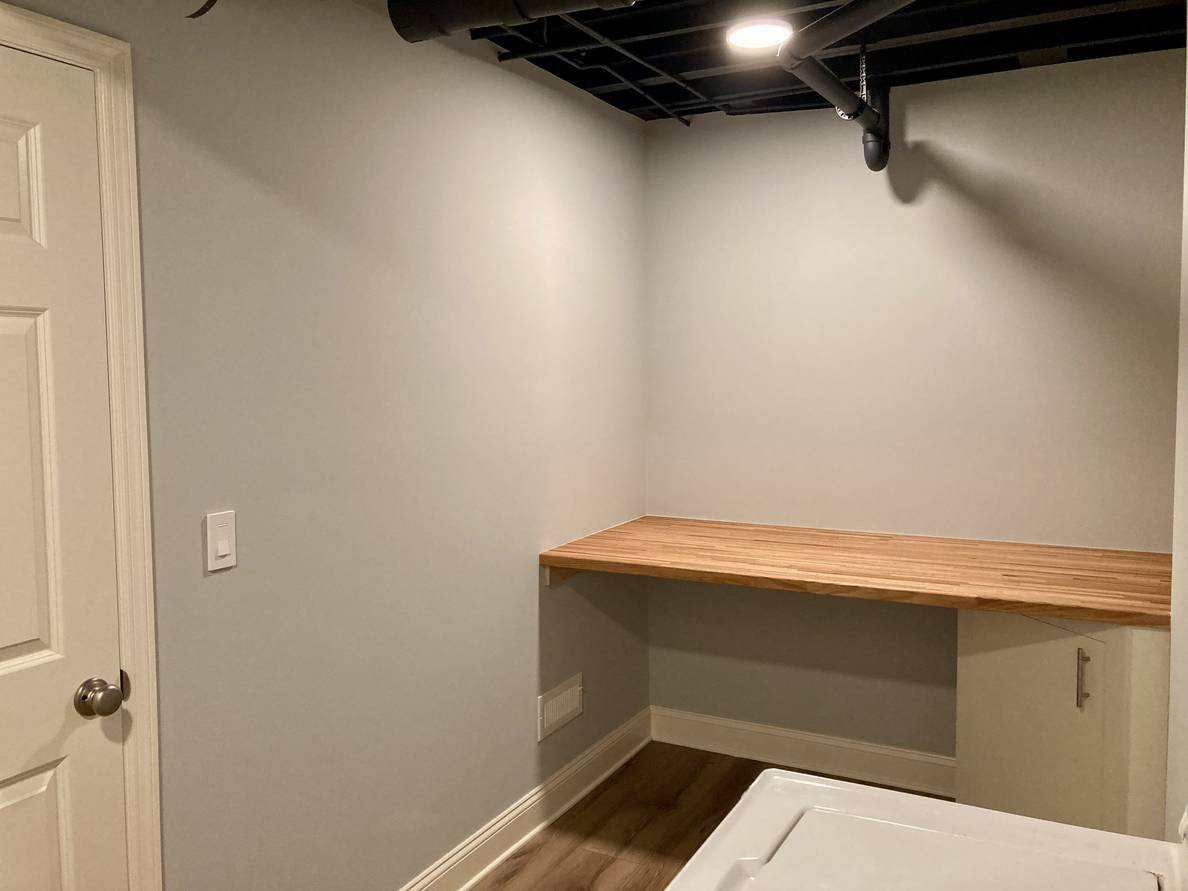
(1023, 744)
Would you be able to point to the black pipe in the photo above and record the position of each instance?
(796, 57)
(876, 140)
(835, 26)
(833, 90)
(417, 20)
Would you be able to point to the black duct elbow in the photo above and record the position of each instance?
(876, 149)
(417, 20)
(876, 140)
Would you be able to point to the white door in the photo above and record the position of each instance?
(1024, 744)
(62, 821)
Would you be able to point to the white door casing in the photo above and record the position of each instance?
(79, 798)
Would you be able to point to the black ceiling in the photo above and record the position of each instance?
(669, 58)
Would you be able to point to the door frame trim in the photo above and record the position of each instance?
(111, 62)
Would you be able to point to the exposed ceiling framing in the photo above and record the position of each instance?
(669, 59)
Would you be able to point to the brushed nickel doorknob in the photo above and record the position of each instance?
(97, 698)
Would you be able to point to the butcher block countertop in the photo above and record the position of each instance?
(1121, 587)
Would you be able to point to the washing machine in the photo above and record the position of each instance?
(796, 832)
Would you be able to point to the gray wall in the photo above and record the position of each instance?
(881, 672)
(981, 342)
(395, 315)
(393, 302)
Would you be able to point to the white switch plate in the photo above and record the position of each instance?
(220, 540)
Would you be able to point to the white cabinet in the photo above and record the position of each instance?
(1028, 744)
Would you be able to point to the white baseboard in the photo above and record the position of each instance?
(848, 758)
(460, 868)
(486, 848)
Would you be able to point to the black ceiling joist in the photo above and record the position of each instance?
(719, 25)
(626, 53)
(811, 100)
(669, 59)
(945, 40)
(1012, 24)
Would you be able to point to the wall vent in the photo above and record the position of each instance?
(558, 706)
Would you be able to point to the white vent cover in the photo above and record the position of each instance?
(558, 706)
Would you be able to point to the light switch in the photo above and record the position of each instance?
(220, 540)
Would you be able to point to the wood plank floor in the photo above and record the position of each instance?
(635, 830)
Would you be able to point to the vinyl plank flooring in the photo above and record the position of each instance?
(632, 875)
(636, 830)
(602, 822)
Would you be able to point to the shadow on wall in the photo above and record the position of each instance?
(1028, 217)
(581, 621)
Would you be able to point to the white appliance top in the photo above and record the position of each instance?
(794, 832)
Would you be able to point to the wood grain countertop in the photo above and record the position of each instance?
(1121, 587)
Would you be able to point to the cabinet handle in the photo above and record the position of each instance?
(1082, 693)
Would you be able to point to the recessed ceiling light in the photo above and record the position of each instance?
(758, 34)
